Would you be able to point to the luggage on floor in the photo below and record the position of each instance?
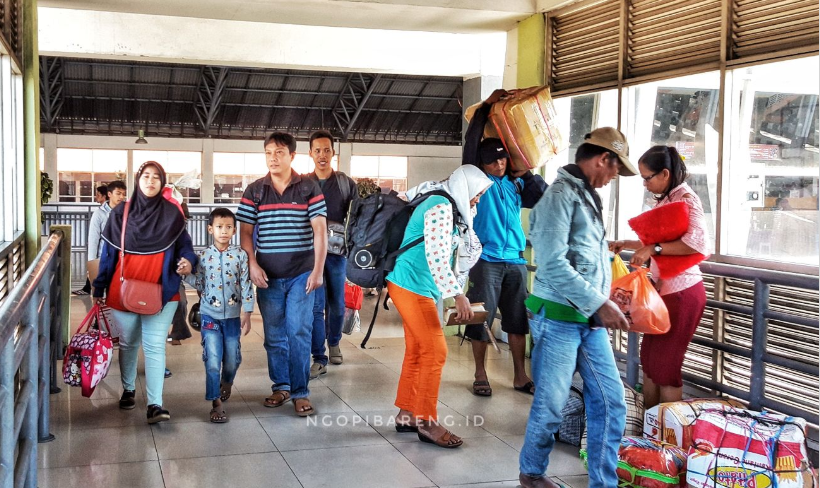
(746, 449)
(572, 425)
(650, 463)
(634, 414)
(527, 124)
(672, 422)
(88, 355)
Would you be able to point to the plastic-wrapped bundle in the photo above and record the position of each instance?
(351, 321)
(672, 422)
(650, 463)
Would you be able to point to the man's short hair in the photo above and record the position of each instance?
(117, 185)
(282, 139)
(220, 212)
(103, 190)
(322, 134)
(588, 151)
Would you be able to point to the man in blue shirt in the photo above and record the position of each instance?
(502, 265)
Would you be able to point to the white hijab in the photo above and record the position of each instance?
(463, 185)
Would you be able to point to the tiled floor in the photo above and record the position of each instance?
(350, 443)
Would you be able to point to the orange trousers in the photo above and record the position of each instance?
(424, 355)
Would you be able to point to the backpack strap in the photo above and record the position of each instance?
(344, 186)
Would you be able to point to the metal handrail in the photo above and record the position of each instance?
(760, 312)
(29, 318)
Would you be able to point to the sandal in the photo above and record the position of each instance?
(482, 388)
(447, 440)
(528, 388)
(225, 391)
(303, 407)
(218, 415)
(277, 398)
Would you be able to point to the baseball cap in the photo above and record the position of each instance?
(490, 150)
(613, 140)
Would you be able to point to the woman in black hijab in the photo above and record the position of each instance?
(157, 249)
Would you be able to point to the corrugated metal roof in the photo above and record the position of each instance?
(121, 97)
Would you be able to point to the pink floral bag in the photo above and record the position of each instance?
(88, 355)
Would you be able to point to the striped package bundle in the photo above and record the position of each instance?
(746, 449)
(672, 422)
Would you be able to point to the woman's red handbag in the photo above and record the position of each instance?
(641, 303)
(353, 296)
(666, 223)
(88, 355)
(141, 297)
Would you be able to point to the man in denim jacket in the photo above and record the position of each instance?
(572, 312)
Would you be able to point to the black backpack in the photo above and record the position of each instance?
(375, 230)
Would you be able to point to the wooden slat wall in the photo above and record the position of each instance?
(584, 46)
(769, 26)
(664, 36)
(592, 46)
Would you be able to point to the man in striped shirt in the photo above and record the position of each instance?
(286, 266)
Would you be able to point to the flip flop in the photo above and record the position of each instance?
(300, 411)
(218, 416)
(277, 398)
(482, 388)
(528, 388)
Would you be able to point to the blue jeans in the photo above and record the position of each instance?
(151, 331)
(559, 348)
(221, 353)
(330, 296)
(286, 316)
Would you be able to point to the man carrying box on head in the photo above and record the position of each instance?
(502, 265)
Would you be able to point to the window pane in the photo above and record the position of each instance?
(392, 166)
(364, 166)
(772, 185)
(680, 112)
(578, 116)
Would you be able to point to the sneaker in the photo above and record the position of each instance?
(316, 369)
(127, 401)
(336, 355)
(157, 414)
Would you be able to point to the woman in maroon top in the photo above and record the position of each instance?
(157, 249)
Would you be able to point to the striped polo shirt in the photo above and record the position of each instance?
(285, 242)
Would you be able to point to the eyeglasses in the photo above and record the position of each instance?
(647, 178)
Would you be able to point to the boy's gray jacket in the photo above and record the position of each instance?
(223, 279)
(571, 251)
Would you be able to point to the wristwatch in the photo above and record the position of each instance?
(658, 248)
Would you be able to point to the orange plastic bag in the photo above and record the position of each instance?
(641, 303)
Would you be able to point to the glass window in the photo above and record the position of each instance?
(80, 171)
(387, 171)
(771, 199)
(680, 112)
(233, 172)
(176, 164)
(577, 117)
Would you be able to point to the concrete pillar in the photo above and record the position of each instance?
(206, 192)
(129, 172)
(50, 154)
(31, 129)
(345, 152)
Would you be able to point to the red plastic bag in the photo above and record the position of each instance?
(353, 296)
(641, 303)
(88, 355)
